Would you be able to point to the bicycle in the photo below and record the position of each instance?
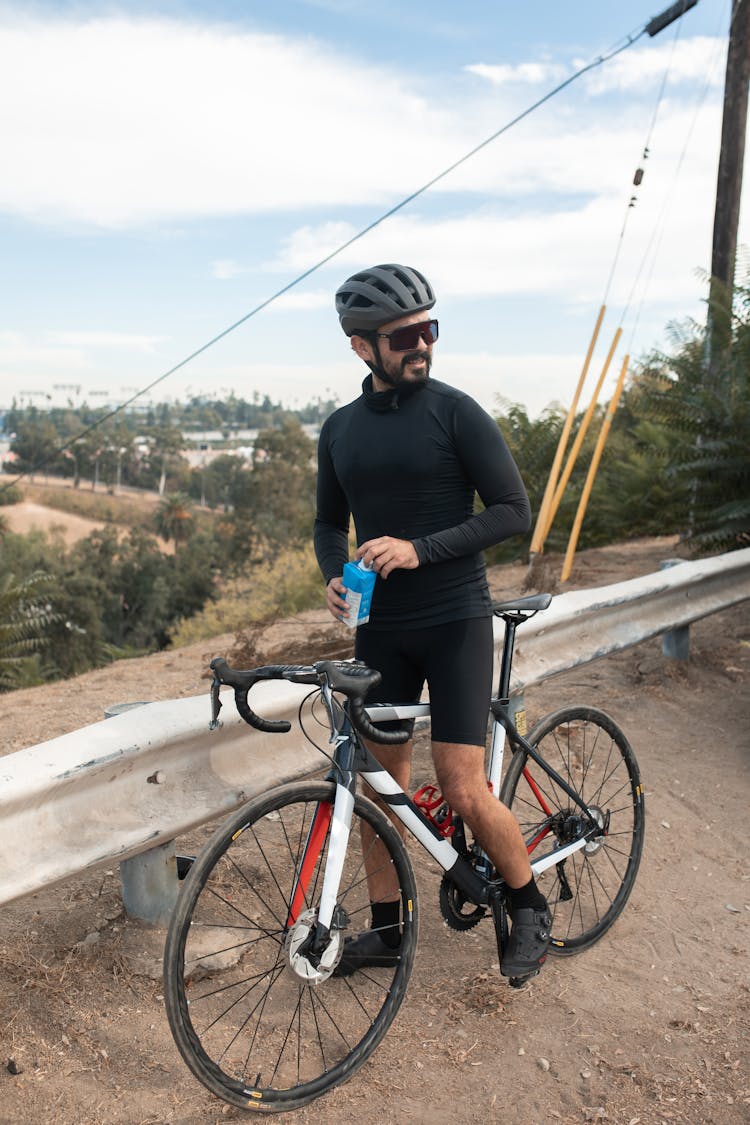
(254, 1004)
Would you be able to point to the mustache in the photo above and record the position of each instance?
(411, 357)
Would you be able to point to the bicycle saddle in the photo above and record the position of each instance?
(531, 604)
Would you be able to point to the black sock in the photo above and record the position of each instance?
(528, 897)
(386, 917)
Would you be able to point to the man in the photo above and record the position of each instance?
(405, 460)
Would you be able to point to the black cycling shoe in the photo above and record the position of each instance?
(367, 949)
(527, 946)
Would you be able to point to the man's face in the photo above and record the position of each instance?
(396, 367)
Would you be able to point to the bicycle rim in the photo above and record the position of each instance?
(587, 891)
(248, 1026)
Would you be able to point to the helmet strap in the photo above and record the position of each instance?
(376, 363)
(377, 368)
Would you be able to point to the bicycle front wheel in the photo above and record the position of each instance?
(253, 1021)
(587, 891)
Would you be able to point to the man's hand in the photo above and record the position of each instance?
(386, 554)
(335, 591)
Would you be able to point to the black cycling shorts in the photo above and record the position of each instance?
(455, 659)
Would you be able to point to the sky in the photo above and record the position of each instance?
(166, 167)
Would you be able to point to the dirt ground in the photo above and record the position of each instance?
(27, 516)
(649, 1026)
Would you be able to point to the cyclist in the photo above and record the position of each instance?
(405, 460)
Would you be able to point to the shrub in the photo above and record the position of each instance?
(288, 584)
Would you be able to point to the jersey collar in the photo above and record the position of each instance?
(384, 401)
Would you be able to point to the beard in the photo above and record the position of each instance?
(398, 378)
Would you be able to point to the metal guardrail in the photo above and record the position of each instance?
(131, 784)
(585, 625)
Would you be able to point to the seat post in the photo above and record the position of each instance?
(503, 688)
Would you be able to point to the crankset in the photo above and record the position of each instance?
(458, 911)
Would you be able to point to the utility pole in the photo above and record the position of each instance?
(729, 184)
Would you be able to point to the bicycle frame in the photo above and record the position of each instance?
(275, 906)
(352, 757)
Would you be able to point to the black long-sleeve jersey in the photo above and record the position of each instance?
(407, 463)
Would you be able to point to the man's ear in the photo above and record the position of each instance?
(362, 347)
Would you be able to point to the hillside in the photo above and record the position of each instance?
(650, 1026)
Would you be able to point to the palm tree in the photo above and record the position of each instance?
(25, 614)
(174, 518)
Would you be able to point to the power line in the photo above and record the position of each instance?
(638, 177)
(657, 234)
(639, 172)
(653, 27)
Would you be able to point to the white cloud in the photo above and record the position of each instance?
(300, 300)
(544, 251)
(226, 269)
(120, 340)
(124, 120)
(694, 60)
(697, 59)
(129, 120)
(18, 353)
(56, 365)
(538, 380)
(503, 74)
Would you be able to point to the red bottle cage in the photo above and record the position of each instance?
(437, 810)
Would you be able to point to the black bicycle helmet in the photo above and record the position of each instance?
(380, 294)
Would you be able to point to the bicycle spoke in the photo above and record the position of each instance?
(591, 754)
(257, 1011)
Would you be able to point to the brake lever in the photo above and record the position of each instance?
(215, 705)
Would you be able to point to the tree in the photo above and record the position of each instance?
(282, 498)
(174, 518)
(223, 481)
(533, 442)
(35, 444)
(707, 417)
(163, 459)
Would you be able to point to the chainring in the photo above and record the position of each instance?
(459, 913)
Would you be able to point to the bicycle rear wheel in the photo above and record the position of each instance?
(249, 1020)
(587, 891)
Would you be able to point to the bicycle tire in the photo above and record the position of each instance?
(587, 891)
(247, 1026)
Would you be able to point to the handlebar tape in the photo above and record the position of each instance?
(350, 679)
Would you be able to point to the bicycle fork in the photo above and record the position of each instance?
(331, 823)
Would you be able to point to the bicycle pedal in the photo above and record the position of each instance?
(521, 982)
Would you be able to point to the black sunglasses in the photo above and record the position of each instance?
(407, 338)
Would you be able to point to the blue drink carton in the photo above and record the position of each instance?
(359, 580)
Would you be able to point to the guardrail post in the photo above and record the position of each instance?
(150, 885)
(675, 644)
(149, 881)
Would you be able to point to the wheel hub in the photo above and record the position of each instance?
(591, 847)
(297, 942)
(569, 827)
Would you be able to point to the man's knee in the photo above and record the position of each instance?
(460, 774)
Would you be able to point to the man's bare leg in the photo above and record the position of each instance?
(463, 782)
(461, 776)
